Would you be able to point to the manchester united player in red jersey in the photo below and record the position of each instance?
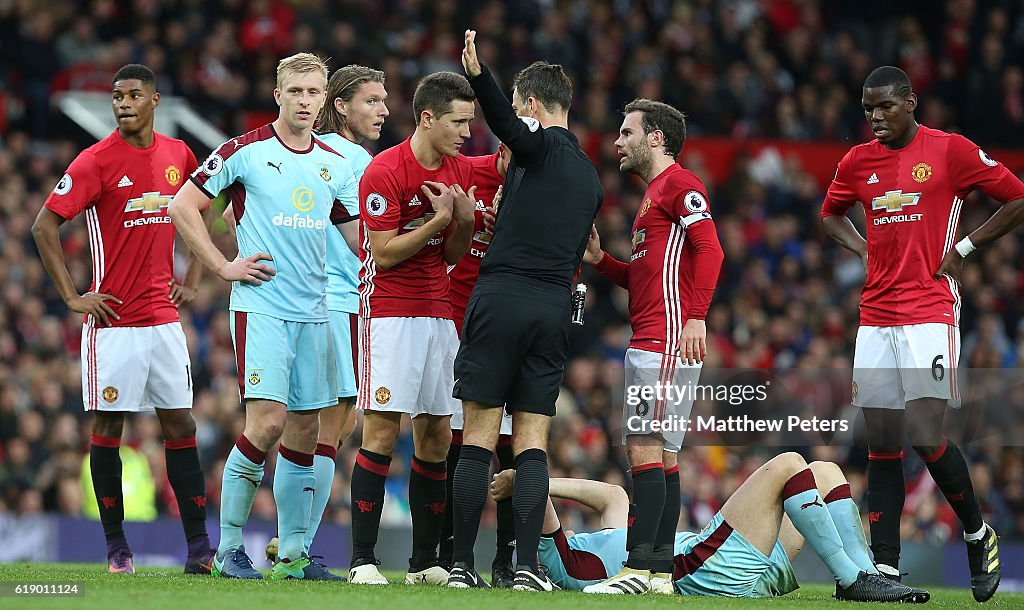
(416, 217)
(134, 356)
(912, 182)
(488, 175)
(671, 277)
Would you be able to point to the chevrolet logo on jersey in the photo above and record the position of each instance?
(148, 203)
(893, 201)
(638, 237)
(419, 222)
(482, 236)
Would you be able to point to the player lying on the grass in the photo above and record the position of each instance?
(746, 548)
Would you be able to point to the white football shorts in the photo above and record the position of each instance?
(894, 364)
(135, 368)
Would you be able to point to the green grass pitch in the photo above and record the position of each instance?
(167, 588)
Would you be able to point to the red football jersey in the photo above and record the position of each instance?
(124, 192)
(390, 198)
(675, 263)
(912, 198)
(462, 276)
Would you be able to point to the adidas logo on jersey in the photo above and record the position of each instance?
(125, 181)
(415, 201)
(873, 179)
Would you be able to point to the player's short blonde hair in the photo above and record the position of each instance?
(300, 63)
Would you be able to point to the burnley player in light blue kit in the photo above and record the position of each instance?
(354, 112)
(286, 189)
(746, 548)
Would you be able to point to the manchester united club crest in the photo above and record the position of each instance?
(173, 175)
(382, 395)
(921, 172)
(646, 206)
(855, 390)
(325, 174)
(110, 394)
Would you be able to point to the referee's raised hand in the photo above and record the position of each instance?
(469, 59)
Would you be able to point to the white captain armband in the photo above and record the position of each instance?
(687, 221)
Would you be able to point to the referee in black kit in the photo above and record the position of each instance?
(515, 337)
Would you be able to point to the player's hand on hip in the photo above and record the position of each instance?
(442, 199)
(464, 204)
(502, 484)
(693, 342)
(247, 269)
(593, 253)
(952, 265)
(96, 305)
(181, 295)
(469, 58)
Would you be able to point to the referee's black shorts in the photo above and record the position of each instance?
(515, 340)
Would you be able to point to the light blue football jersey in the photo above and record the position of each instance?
(342, 264)
(607, 546)
(285, 202)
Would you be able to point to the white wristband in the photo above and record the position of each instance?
(965, 246)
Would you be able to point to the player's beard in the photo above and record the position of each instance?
(639, 160)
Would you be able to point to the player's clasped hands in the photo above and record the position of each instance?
(442, 199)
(693, 342)
(95, 305)
(247, 269)
(464, 204)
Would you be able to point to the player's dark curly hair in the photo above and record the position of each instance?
(658, 116)
(438, 91)
(135, 71)
(343, 84)
(547, 83)
(889, 76)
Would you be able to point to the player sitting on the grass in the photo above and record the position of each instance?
(746, 548)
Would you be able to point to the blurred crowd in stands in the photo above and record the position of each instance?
(782, 69)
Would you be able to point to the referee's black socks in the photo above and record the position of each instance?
(528, 503)
(506, 527)
(469, 491)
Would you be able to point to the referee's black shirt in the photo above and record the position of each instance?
(549, 201)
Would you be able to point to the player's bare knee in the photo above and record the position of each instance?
(642, 450)
(264, 431)
(617, 497)
(827, 474)
(108, 423)
(176, 424)
(787, 464)
(670, 459)
(433, 447)
(379, 439)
